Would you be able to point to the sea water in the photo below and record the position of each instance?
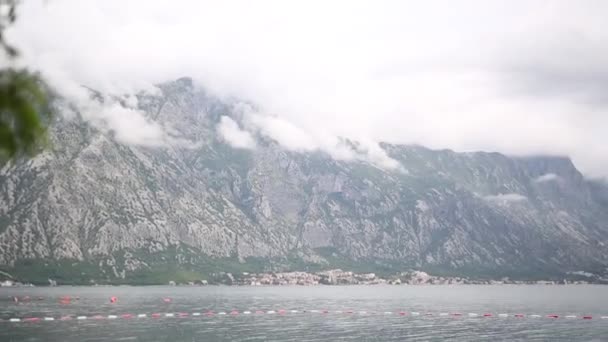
(297, 313)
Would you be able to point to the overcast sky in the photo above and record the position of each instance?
(518, 77)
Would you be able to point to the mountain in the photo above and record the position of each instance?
(94, 209)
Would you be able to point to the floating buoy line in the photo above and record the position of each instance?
(284, 312)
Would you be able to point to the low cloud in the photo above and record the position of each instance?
(123, 119)
(478, 76)
(548, 177)
(284, 132)
(369, 151)
(233, 135)
(129, 126)
(293, 138)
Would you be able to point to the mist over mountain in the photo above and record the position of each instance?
(207, 188)
(478, 76)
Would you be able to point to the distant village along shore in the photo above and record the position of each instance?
(339, 277)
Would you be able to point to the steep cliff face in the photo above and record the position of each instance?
(123, 210)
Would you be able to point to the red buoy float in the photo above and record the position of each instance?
(65, 300)
(113, 299)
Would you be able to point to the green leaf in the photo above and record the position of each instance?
(23, 113)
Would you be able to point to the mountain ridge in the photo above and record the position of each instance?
(118, 212)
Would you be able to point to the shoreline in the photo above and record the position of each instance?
(523, 283)
(333, 277)
(294, 286)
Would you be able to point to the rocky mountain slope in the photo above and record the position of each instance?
(96, 209)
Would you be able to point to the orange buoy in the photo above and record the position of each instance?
(167, 300)
(113, 299)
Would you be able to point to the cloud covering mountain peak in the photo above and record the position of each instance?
(518, 77)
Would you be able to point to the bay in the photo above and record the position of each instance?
(319, 313)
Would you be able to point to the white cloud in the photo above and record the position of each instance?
(130, 126)
(548, 177)
(506, 198)
(294, 138)
(499, 76)
(285, 133)
(233, 135)
(370, 151)
(131, 101)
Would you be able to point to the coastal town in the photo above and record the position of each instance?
(340, 277)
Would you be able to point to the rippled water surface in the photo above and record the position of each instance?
(369, 321)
